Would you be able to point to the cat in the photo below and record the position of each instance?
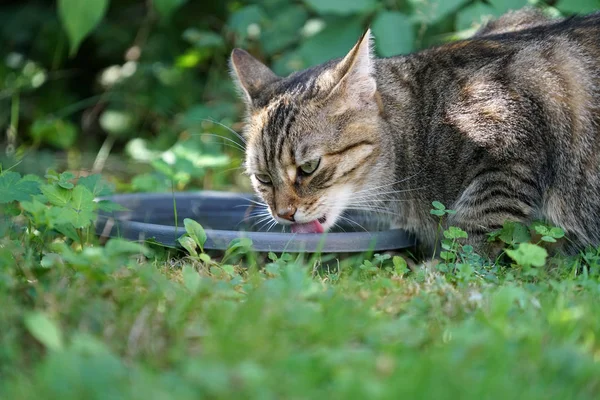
(504, 126)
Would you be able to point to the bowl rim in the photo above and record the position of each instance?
(108, 225)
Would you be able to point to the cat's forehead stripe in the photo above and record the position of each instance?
(276, 125)
(281, 115)
(285, 133)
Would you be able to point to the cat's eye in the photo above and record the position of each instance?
(310, 166)
(263, 178)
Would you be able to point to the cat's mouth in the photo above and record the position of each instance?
(315, 226)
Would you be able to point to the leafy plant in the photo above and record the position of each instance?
(194, 239)
(528, 255)
(157, 70)
(440, 211)
(63, 205)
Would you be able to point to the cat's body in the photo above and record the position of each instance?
(503, 126)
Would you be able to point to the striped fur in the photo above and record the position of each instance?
(502, 126)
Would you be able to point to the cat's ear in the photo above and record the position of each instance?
(250, 74)
(353, 77)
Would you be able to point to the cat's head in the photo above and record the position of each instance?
(313, 145)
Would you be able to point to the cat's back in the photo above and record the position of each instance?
(505, 73)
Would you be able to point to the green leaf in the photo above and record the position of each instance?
(44, 330)
(79, 18)
(394, 33)
(236, 247)
(400, 265)
(95, 184)
(191, 278)
(228, 269)
(66, 176)
(578, 6)
(67, 230)
(82, 207)
(166, 8)
(557, 232)
(514, 232)
(65, 184)
(438, 206)
(455, 233)
(57, 195)
(474, 16)
(15, 188)
(121, 247)
(283, 30)
(204, 257)
(341, 7)
(541, 229)
(431, 11)
(195, 231)
(273, 269)
(241, 19)
(439, 213)
(334, 41)
(57, 132)
(528, 255)
(548, 239)
(36, 209)
(189, 245)
(503, 6)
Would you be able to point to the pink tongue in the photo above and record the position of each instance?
(310, 227)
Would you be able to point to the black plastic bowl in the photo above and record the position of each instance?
(227, 216)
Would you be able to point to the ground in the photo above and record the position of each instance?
(155, 326)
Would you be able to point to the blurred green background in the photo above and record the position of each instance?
(140, 90)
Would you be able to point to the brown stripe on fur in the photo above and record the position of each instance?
(350, 147)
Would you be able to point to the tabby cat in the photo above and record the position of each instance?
(502, 126)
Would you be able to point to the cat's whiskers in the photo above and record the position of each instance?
(258, 203)
(232, 143)
(336, 225)
(263, 217)
(264, 224)
(262, 213)
(228, 170)
(262, 220)
(352, 222)
(226, 127)
(272, 225)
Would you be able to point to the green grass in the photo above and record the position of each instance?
(108, 323)
(80, 320)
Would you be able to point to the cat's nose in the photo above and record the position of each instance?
(287, 213)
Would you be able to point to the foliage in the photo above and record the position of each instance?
(98, 77)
